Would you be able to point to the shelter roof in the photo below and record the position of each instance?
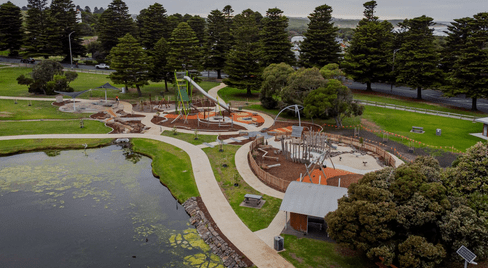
(72, 94)
(483, 120)
(311, 199)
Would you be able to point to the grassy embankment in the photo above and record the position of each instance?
(9, 147)
(190, 138)
(171, 165)
(305, 252)
(255, 219)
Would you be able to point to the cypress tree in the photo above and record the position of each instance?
(63, 14)
(417, 58)
(184, 49)
(114, 23)
(216, 42)
(243, 60)
(469, 74)
(368, 59)
(153, 25)
(159, 67)
(130, 62)
(39, 31)
(10, 28)
(276, 47)
(320, 47)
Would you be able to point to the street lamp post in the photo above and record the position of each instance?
(70, 54)
(393, 67)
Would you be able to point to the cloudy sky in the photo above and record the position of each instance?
(445, 10)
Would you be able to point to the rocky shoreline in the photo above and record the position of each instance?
(211, 234)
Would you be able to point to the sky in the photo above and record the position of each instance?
(445, 10)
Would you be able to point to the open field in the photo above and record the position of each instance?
(305, 252)
(455, 132)
(9, 147)
(171, 165)
(235, 94)
(85, 81)
(52, 127)
(414, 104)
(255, 219)
(38, 110)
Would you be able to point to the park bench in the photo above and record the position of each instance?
(417, 130)
(252, 198)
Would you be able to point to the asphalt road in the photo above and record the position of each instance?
(434, 96)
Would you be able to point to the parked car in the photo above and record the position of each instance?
(102, 66)
(28, 60)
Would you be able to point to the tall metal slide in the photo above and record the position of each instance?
(223, 105)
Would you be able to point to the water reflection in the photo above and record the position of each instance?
(70, 210)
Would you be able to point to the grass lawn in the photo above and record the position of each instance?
(171, 165)
(414, 104)
(305, 252)
(190, 138)
(455, 132)
(10, 87)
(255, 219)
(9, 147)
(38, 110)
(52, 127)
(235, 94)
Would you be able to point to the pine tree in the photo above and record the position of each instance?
(10, 28)
(243, 66)
(159, 67)
(130, 62)
(114, 23)
(198, 25)
(184, 52)
(63, 14)
(276, 47)
(417, 58)
(368, 59)
(469, 74)
(153, 25)
(216, 42)
(320, 47)
(39, 31)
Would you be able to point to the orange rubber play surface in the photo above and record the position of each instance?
(237, 117)
(329, 172)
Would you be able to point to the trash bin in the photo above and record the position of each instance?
(123, 90)
(279, 243)
(438, 132)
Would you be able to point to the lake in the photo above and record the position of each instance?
(99, 209)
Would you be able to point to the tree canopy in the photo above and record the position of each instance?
(275, 79)
(130, 62)
(10, 28)
(243, 61)
(153, 25)
(320, 47)
(368, 58)
(276, 47)
(114, 23)
(411, 216)
(46, 77)
(417, 59)
(184, 52)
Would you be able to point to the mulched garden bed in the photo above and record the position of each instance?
(193, 124)
(62, 103)
(119, 127)
(100, 115)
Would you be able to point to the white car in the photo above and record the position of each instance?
(102, 66)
